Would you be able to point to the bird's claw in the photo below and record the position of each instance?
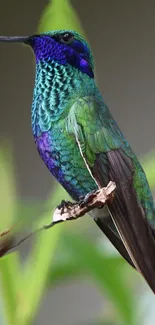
(64, 204)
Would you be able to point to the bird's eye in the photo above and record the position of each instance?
(66, 38)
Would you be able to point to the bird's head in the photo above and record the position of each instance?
(62, 46)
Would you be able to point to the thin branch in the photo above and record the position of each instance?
(64, 212)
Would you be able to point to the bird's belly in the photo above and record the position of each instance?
(62, 157)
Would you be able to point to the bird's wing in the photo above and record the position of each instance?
(108, 156)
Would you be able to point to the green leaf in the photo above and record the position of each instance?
(38, 263)
(59, 14)
(7, 187)
(63, 271)
(10, 283)
(9, 265)
(108, 276)
(65, 265)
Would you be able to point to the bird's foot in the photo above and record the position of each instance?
(84, 200)
(64, 205)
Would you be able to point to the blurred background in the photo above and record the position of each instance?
(71, 289)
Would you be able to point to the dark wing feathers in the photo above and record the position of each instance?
(129, 217)
(100, 172)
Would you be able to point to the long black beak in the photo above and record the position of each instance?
(15, 39)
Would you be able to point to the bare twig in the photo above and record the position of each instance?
(66, 211)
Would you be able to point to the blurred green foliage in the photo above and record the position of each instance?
(60, 14)
(148, 163)
(62, 252)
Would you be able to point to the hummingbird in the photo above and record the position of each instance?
(83, 147)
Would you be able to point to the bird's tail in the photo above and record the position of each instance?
(130, 220)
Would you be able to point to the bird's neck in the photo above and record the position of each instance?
(57, 87)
